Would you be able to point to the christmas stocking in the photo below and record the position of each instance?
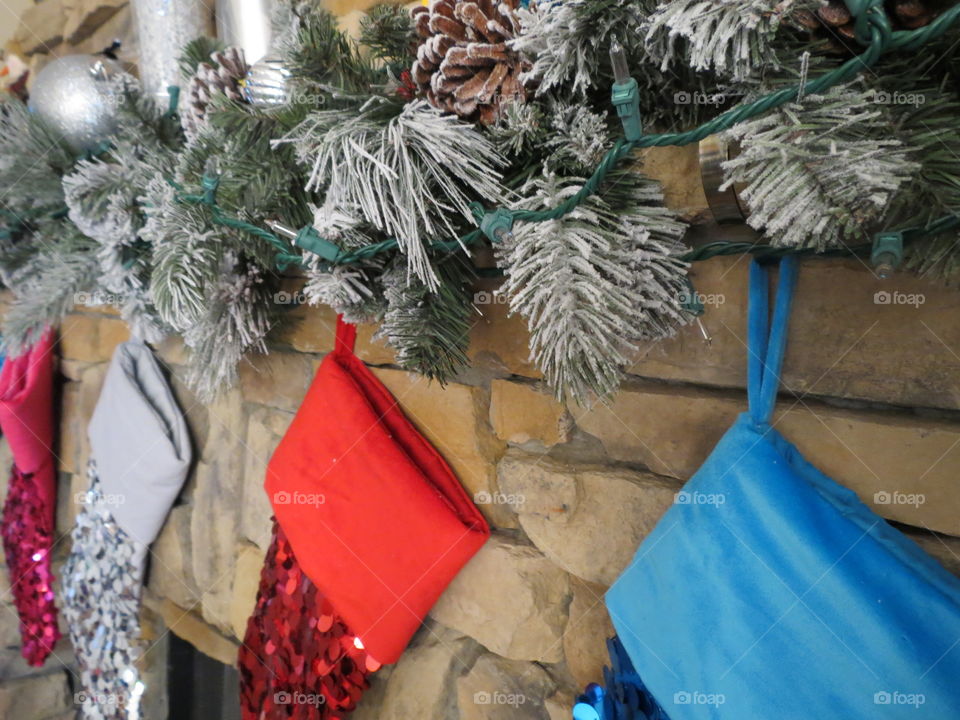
(298, 659)
(26, 418)
(140, 453)
(379, 526)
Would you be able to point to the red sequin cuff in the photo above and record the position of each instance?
(27, 544)
(298, 658)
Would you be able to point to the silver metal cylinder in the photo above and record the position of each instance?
(245, 24)
(163, 28)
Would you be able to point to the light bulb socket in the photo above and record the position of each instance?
(625, 97)
(887, 253)
(498, 225)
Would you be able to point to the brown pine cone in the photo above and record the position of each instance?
(834, 22)
(225, 76)
(464, 64)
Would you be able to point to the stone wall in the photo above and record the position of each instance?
(871, 395)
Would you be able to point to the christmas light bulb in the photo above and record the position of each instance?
(280, 229)
(212, 166)
(618, 59)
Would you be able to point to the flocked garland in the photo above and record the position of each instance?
(396, 158)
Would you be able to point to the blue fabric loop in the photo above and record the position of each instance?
(766, 346)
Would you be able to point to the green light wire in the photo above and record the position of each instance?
(872, 28)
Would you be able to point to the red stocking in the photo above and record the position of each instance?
(298, 658)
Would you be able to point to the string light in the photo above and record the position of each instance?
(873, 29)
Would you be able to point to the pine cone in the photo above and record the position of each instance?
(224, 76)
(464, 62)
(834, 22)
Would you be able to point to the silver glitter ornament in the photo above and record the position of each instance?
(268, 83)
(78, 97)
(163, 28)
(245, 24)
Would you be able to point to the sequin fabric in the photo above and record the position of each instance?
(298, 659)
(27, 543)
(102, 582)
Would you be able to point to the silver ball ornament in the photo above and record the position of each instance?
(76, 97)
(268, 83)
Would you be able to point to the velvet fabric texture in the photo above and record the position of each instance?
(770, 591)
(139, 439)
(26, 419)
(377, 519)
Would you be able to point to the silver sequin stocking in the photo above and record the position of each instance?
(102, 583)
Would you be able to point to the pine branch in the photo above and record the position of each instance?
(521, 132)
(141, 122)
(349, 290)
(238, 314)
(594, 283)
(48, 285)
(568, 39)
(259, 180)
(928, 126)
(32, 161)
(579, 139)
(319, 54)
(409, 171)
(186, 256)
(429, 330)
(937, 256)
(387, 31)
(734, 39)
(569, 43)
(820, 173)
(101, 198)
(197, 52)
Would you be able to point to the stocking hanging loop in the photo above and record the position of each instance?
(346, 337)
(767, 342)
